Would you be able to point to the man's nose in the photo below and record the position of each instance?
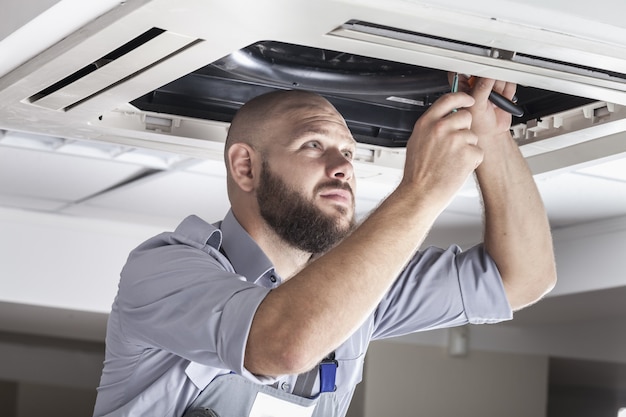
(339, 166)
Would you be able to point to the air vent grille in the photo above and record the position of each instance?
(371, 32)
(135, 56)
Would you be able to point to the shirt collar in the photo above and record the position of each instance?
(247, 258)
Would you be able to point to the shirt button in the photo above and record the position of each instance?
(272, 278)
(285, 386)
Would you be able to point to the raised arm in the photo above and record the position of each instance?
(517, 233)
(318, 308)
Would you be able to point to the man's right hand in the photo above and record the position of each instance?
(442, 151)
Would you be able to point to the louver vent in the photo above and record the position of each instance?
(135, 56)
(606, 77)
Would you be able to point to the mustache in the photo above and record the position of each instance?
(333, 185)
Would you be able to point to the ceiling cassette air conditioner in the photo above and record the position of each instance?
(190, 64)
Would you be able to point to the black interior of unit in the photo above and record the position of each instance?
(380, 100)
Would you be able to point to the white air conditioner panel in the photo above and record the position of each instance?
(226, 27)
(125, 66)
(574, 79)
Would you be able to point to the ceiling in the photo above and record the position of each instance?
(106, 158)
(91, 179)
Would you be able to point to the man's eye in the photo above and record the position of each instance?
(312, 144)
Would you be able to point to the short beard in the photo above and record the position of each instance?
(296, 219)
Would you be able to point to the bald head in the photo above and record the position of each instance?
(253, 122)
(282, 150)
(268, 125)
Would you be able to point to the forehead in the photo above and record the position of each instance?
(314, 118)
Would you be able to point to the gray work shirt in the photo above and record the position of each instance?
(186, 300)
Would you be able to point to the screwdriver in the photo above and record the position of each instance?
(495, 98)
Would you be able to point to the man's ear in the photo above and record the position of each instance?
(241, 157)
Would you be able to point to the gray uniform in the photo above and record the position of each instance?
(186, 300)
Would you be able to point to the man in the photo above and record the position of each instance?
(273, 308)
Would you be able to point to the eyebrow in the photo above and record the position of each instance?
(321, 131)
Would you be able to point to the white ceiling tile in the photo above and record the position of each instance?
(573, 198)
(369, 193)
(55, 176)
(30, 203)
(91, 149)
(150, 158)
(120, 214)
(171, 194)
(30, 141)
(615, 170)
(208, 167)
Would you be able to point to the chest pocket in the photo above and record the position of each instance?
(350, 359)
(234, 396)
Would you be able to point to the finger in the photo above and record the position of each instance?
(474, 155)
(498, 86)
(481, 88)
(509, 90)
(480, 155)
(463, 136)
(470, 157)
(472, 139)
(447, 103)
(459, 120)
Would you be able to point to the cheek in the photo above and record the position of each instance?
(301, 174)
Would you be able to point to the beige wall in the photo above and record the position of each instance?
(40, 400)
(408, 381)
(36, 400)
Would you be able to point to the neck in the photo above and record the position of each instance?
(286, 259)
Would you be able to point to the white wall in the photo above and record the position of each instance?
(63, 261)
(591, 256)
(74, 263)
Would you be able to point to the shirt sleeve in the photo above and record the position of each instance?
(185, 301)
(443, 288)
